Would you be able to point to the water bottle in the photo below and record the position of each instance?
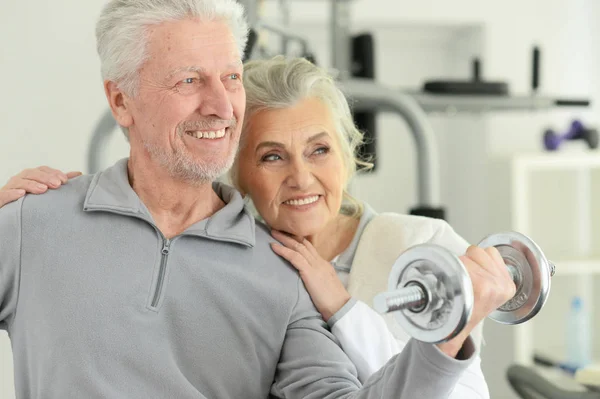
(579, 350)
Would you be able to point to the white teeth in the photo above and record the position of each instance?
(217, 134)
(304, 201)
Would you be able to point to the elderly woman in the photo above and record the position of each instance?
(295, 160)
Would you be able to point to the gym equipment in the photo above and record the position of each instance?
(431, 294)
(545, 361)
(363, 66)
(105, 126)
(530, 384)
(535, 69)
(474, 87)
(369, 96)
(252, 39)
(577, 131)
(286, 36)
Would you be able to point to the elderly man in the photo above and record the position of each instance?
(149, 280)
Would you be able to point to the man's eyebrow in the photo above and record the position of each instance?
(191, 68)
(199, 70)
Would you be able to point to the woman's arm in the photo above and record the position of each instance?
(367, 340)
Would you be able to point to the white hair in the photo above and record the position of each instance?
(282, 82)
(121, 31)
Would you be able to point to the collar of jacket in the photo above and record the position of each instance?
(110, 191)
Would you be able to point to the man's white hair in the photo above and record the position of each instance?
(121, 31)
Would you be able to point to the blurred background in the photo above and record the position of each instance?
(486, 80)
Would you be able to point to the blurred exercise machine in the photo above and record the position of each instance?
(353, 57)
(531, 384)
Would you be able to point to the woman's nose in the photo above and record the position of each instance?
(300, 176)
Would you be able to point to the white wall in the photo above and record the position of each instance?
(52, 97)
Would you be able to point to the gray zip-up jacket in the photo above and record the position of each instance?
(98, 304)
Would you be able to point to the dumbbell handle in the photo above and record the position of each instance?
(414, 297)
(410, 297)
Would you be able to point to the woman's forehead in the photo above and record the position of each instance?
(302, 120)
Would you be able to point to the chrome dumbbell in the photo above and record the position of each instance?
(431, 296)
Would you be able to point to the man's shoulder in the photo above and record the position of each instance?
(75, 189)
(263, 233)
(263, 248)
(41, 211)
(66, 196)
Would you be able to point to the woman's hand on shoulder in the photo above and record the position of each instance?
(33, 181)
(320, 279)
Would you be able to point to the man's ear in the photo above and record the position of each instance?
(119, 104)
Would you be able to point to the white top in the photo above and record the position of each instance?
(369, 339)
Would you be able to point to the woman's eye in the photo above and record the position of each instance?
(322, 150)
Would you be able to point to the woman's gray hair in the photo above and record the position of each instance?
(121, 32)
(282, 82)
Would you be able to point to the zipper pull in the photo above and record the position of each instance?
(165, 250)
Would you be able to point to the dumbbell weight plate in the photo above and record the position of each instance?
(522, 253)
(446, 283)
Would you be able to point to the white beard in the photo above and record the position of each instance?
(181, 164)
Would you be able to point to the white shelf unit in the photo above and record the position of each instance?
(582, 265)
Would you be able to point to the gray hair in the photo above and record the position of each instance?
(121, 31)
(282, 82)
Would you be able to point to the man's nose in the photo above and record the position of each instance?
(215, 101)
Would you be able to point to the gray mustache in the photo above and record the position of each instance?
(207, 124)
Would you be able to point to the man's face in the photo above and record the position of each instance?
(190, 104)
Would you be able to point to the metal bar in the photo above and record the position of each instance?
(283, 32)
(405, 298)
(340, 37)
(284, 8)
(463, 103)
(365, 94)
(99, 142)
(251, 9)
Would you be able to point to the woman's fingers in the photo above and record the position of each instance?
(292, 243)
(294, 257)
(10, 195)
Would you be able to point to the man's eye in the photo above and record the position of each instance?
(188, 80)
(271, 158)
(234, 76)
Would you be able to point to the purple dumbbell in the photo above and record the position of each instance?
(576, 132)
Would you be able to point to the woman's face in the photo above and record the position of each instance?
(290, 164)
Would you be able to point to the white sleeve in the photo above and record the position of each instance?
(366, 339)
(364, 336)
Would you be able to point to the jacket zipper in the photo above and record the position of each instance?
(165, 251)
(161, 271)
